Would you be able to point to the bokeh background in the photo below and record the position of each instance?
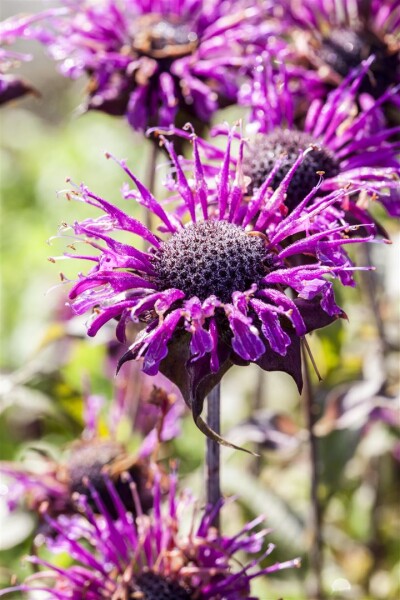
(45, 358)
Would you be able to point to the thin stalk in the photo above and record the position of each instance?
(259, 399)
(151, 180)
(213, 485)
(371, 285)
(311, 410)
(260, 390)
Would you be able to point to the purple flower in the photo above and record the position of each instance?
(152, 556)
(211, 292)
(350, 143)
(51, 485)
(335, 37)
(149, 61)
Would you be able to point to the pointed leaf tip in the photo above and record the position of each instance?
(213, 435)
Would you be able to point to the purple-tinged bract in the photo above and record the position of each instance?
(350, 143)
(232, 281)
(150, 60)
(152, 557)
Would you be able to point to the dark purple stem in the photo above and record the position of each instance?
(316, 553)
(213, 485)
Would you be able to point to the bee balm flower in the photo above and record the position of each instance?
(148, 61)
(349, 143)
(217, 288)
(335, 37)
(152, 557)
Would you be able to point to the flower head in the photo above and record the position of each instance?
(149, 61)
(335, 38)
(349, 143)
(222, 286)
(152, 557)
(51, 486)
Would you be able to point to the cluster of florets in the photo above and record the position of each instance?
(266, 149)
(223, 259)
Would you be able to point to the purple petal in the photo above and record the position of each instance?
(246, 341)
(158, 347)
(271, 327)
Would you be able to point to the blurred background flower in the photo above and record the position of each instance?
(153, 63)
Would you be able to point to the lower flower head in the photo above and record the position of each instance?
(50, 487)
(152, 557)
(87, 464)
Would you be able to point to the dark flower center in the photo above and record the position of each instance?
(210, 258)
(344, 49)
(90, 461)
(264, 151)
(151, 586)
(162, 38)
